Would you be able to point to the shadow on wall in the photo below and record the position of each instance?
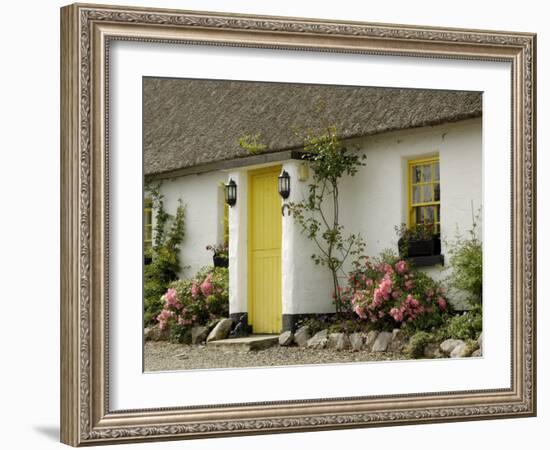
(49, 431)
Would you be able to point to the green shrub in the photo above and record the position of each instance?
(471, 347)
(417, 343)
(387, 292)
(164, 254)
(349, 326)
(465, 326)
(334, 323)
(181, 335)
(466, 262)
(153, 290)
(316, 323)
(200, 301)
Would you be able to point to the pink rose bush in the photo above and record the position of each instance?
(206, 286)
(389, 293)
(195, 302)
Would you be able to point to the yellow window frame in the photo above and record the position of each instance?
(147, 224)
(432, 161)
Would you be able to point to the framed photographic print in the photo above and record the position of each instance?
(274, 224)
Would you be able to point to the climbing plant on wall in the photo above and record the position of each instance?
(163, 254)
(319, 213)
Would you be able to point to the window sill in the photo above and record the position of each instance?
(426, 261)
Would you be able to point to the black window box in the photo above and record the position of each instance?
(425, 261)
(426, 247)
(220, 261)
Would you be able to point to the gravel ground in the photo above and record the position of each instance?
(161, 356)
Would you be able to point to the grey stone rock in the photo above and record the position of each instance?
(154, 333)
(220, 331)
(432, 351)
(199, 334)
(398, 341)
(302, 336)
(477, 353)
(370, 339)
(338, 341)
(449, 345)
(459, 351)
(356, 341)
(382, 341)
(286, 338)
(319, 340)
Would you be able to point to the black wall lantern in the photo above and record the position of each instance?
(284, 189)
(231, 193)
(284, 184)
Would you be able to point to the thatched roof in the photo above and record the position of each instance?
(189, 122)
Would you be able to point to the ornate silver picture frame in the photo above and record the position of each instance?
(87, 32)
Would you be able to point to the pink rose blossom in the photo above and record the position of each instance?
(360, 312)
(171, 299)
(163, 317)
(401, 267)
(184, 322)
(442, 303)
(396, 314)
(206, 286)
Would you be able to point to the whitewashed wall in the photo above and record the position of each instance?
(376, 200)
(377, 197)
(203, 200)
(238, 245)
(302, 279)
(372, 202)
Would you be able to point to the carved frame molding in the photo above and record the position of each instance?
(86, 31)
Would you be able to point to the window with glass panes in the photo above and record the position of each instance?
(147, 223)
(424, 192)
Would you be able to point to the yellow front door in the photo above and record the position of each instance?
(264, 251)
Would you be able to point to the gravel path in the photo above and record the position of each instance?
(161, 356)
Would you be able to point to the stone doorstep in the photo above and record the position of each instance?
(254, 342)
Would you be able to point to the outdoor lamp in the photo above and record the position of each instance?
(284, 185)
(231, 193)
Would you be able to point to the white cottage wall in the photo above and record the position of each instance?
(375, 200)
(238, 246)
(372, 202)
(307, 288)
(202, 196)
(377, 197)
